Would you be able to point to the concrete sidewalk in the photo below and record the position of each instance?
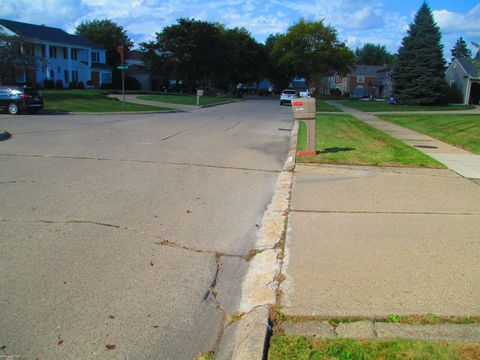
(368, 242)
(456, 159)
(133, 99)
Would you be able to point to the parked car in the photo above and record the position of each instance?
(16, 99)
(287, 96)
(304, 93)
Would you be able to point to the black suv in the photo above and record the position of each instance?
(16, 99)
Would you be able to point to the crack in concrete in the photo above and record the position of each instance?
(142, 161)
(385, 212)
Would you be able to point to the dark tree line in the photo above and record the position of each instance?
(204, 55)
(207, 55)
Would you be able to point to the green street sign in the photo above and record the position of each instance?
(122, 67)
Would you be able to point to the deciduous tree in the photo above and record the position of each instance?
(310, 48)
(108, 35)
(15, 56)
(373, 54)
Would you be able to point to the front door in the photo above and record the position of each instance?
(95, 79)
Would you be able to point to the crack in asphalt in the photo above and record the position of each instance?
(17, 182)
(234, 126)
(197, 250)
(163, 242)
(385, 212)
(142, 161)
(171, 136)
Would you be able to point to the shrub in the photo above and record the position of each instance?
(454, 95)
(346, 94)
(49, 84)
(81, 85)
(90, 83)
(59, 84)
(72, 85)
(336, 92)
(106, 86)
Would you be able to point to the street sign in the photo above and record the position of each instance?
(122, 67)
(199, 92)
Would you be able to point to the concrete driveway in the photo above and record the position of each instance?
(115, 228)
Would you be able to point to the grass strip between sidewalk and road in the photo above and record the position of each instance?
(324, 106)
(462, 130)
(89, 101)
(186, 99)
(343, 139)
(300, 348)
(380, 106)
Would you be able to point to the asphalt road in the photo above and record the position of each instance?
(114, 227)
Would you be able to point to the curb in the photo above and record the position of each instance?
(292, 152)
(368, 329)
(53, 112)
(4, 135)
(248, 338)
(217, 104)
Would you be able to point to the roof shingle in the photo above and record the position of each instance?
(46, 33)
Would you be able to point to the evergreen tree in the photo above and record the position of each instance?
(460, 50)
(419, 73)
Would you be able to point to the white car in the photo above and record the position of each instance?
(287, 96)
(304, 93)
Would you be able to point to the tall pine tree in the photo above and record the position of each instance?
(419, 74)
(460, 50)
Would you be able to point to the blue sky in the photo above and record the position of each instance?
(357, 21)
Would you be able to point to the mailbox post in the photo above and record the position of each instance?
(304, 110)
(199, 94)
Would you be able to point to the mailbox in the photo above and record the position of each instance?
(304, 109)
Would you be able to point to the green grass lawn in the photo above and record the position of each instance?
(300, 348)
(186, 99)
(88, 101)
(379, 106)
(323, 106)
(456, 129)
(342, 139)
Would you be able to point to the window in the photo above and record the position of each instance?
(74, 54)
(53, 51)
(65, 53)
(52, 74)
(43, 51)
(32, 49)
(95, 56)
(20, 77)
(75, 75)
(360, 79)
(106, 78)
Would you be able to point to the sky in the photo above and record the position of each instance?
(357, 21)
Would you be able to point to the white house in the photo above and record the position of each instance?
(60, 56)
(463, 73)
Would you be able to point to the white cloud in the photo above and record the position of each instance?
(357, 21)
(450, 22)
